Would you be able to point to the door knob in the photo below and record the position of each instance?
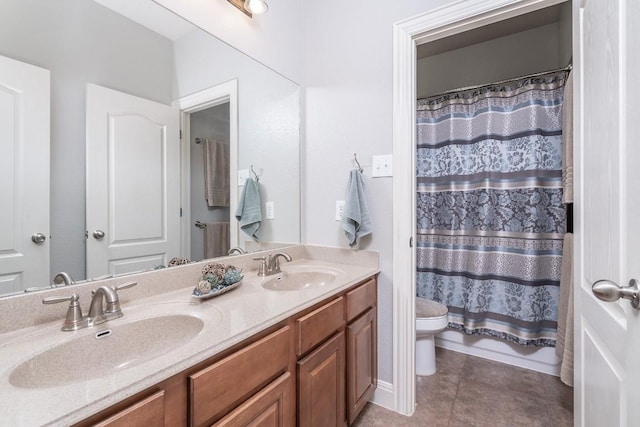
(98, 234)
(38, 238)
(607, 290)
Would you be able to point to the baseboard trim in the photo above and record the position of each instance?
(537, 359)
(383, 395)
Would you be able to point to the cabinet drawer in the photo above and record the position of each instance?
(147, 412)
(220, 387)
(271, 406)
(318, 325)
(360, 299)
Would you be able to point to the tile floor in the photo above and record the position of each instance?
(470, 391)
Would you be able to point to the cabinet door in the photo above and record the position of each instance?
(270, 407)
(321, 385)
(361, 362)
(148, 412)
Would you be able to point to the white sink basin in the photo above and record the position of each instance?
(100, 353)
(301, 278)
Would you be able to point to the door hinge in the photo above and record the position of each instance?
(411, 241)
(180, 133)
(180, 212)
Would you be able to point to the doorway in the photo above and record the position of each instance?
(209, 173)
(437, 25)
(218, 100)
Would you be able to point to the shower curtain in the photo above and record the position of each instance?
(490, 215)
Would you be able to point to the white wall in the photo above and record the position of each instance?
(273, 39)
(80, 42)
(566, 34)
(269, 120)
(348, 108)
(515, 55)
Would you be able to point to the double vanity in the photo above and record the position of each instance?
(293, 347)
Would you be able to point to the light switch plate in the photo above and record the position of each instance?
(339, 209)
(382, 166)
(269, 210)
(243, 175)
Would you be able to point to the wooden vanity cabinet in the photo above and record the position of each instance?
(224, 386)
(147, 412)
(270, 407)
(321, 367)
(337, 347)
(361, 347)
(317, 368)
(321, 385)
(161, 405)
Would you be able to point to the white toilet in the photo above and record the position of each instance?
(431, 318)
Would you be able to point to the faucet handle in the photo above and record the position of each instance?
(262, 268)
(55, 300)
(74, 320)
(124, 286)
(113, 307)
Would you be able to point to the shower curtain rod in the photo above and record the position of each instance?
(513, 79)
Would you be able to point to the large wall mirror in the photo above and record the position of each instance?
(71, 69)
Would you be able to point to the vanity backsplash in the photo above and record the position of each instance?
(27, 310)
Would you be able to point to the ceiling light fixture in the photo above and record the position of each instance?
(256, 6)
(250, 7)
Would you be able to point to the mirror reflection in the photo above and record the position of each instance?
(95, 179)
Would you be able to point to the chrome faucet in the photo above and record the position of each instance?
(271, 265)
(237, 250)
(63, 279)
(105, 305)
(97, 313)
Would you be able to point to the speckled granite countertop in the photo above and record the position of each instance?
(70, 396)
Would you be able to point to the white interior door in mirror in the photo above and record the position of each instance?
(24, 175)
(133, 182)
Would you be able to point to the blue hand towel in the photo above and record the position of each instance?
(355, 217)
(248, 212)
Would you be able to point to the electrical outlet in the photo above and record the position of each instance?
(382, 166)
(270, 214)
(339, 209)
(243, 175)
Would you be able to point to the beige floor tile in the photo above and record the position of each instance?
(467, 391)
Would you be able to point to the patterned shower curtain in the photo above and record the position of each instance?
(490, 217)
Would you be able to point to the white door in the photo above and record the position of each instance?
(608, 333)
(133, 182)
(24, 176)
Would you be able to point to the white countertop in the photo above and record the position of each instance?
(228, 319)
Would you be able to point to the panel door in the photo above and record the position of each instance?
(608, 333)
(24, 175)
(361, 362)
(321, 385)
(133, 182)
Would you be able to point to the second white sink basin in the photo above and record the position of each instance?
(100, 353)
(301, 278)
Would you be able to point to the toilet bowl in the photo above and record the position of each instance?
(431, 318)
